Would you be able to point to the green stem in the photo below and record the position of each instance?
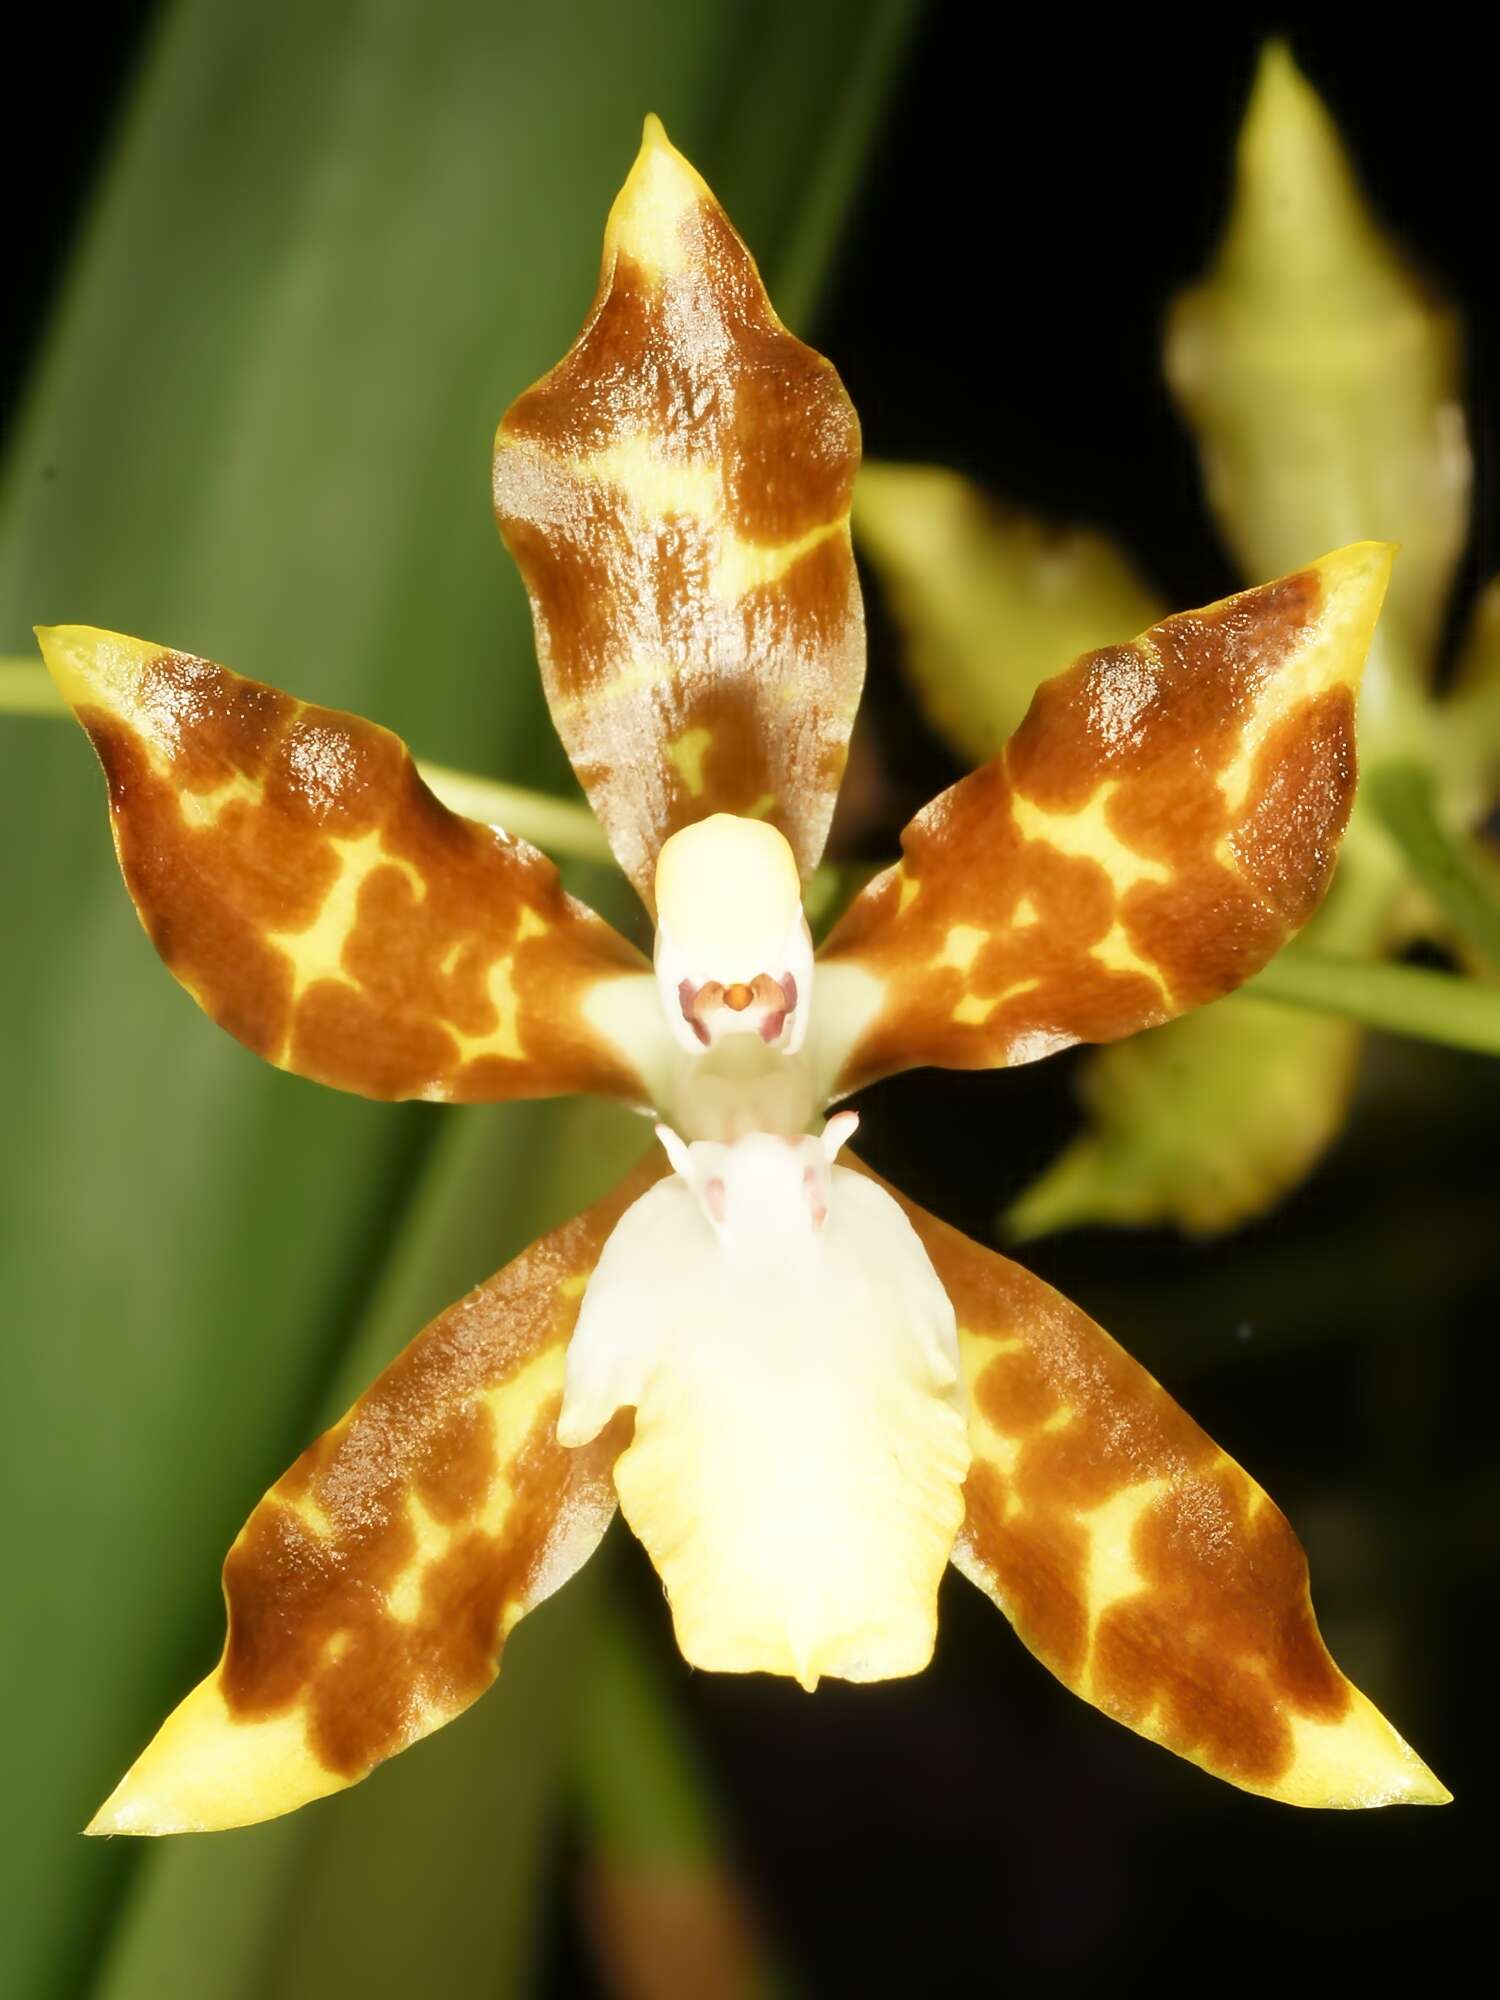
(1403, 797)
(1403, 999)
(557, 826)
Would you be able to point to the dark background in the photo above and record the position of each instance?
(1051, 184)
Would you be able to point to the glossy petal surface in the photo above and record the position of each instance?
(676, 492)
(371, 1591)
(316, 900)
(1166, 816)
(1138, 1562)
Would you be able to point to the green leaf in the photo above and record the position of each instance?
(989, 600)
(330, 246)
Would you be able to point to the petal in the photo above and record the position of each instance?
(799, 1452)
(1138, 1562)
(989, 600)
(316, 900)
(1321, 377)
(371, 1591)
(1203, 1123)
(676, 492)
(1164, 819)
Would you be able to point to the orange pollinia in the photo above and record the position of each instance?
(807, 1396)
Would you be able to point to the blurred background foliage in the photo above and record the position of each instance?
(1320, 377)
(294, 263)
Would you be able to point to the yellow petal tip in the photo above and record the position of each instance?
(1356, 1764)
(661, 191)
(89, 664)
(205, 1770)
(1354, 581)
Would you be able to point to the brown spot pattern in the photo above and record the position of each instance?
(1108, 869)
(334, 1601)
(317, 901)
(1081, 1462)
(676, 492)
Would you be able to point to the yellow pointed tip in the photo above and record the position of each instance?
(660, 193)
(1276, 70)
(1300, 220)
(1367, 564)
(105, 1824)
(91, 665)
(1357, 1764)
(1285, 112)
(1354, 581)
(205, 1771)
(69, 653)
(125, 1811)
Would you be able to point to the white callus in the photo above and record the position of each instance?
(800, 1443)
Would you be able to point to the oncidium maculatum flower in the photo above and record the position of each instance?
(806, 1395)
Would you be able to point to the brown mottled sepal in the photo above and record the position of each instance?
(371, 1591)
(1138, 1562)
(677, 493)
(1164, 819)
(304, 885)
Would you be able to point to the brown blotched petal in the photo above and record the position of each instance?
(317, 901)
(371, 1591)
(1164, 819)
(1138, 1562)
(677, 492)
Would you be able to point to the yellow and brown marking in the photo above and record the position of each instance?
(1137, 1561)
(371, 1591)
(316, 900)
(1165, 817)
(677, 492)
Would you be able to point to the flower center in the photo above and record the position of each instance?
(733, 953)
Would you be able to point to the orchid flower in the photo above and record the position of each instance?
(806, 1395)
